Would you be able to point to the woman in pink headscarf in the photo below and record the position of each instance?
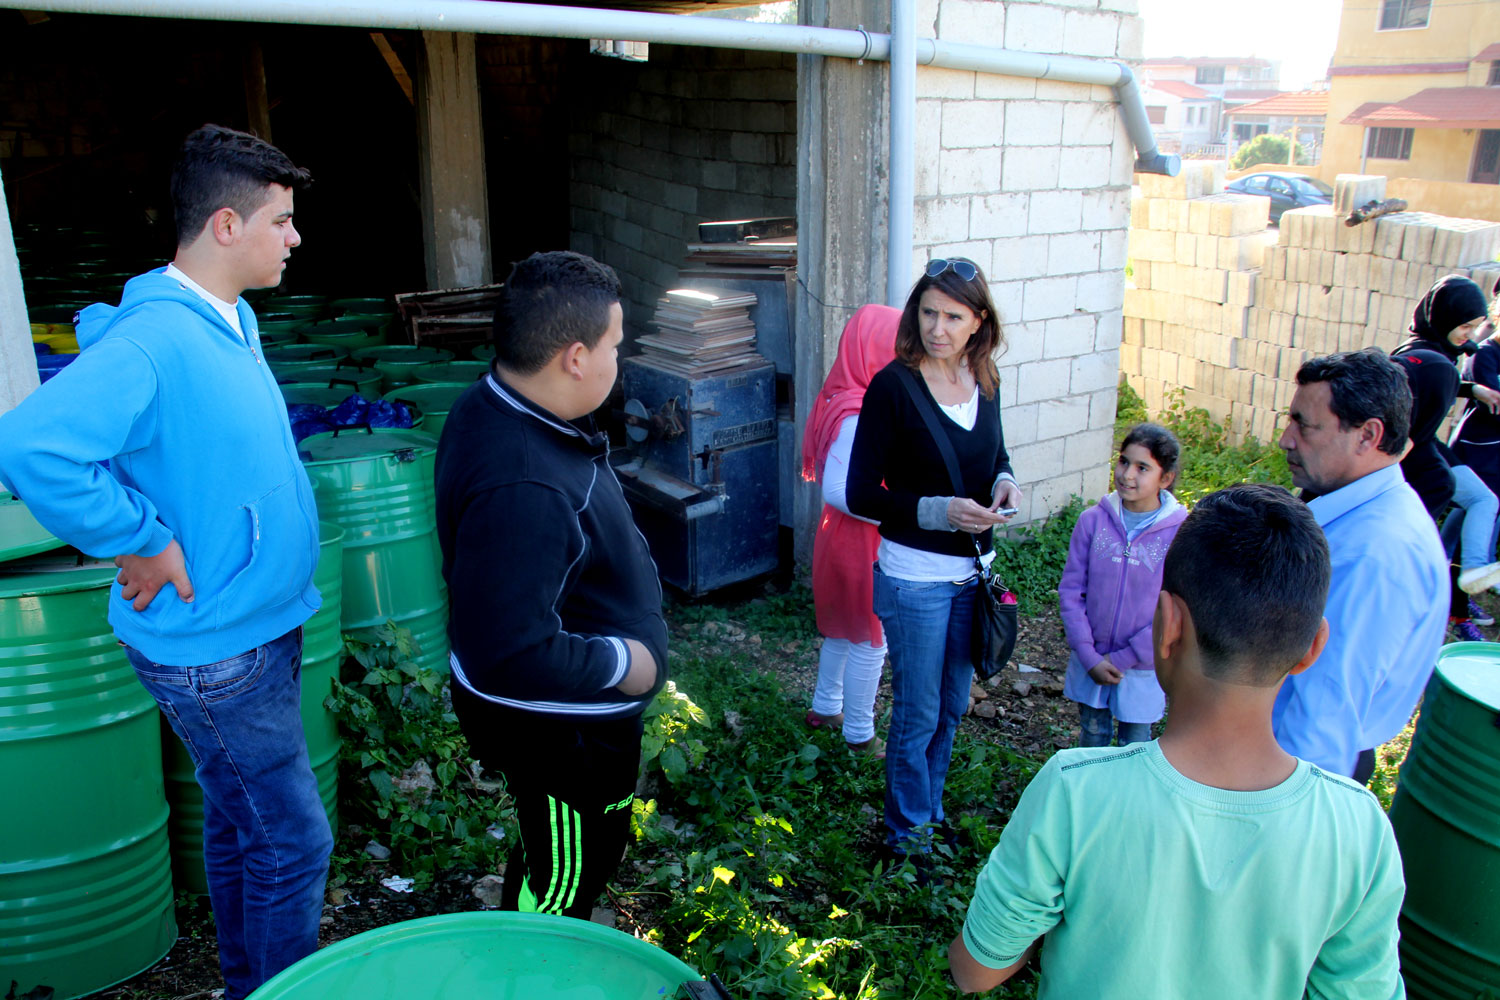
(853, 651)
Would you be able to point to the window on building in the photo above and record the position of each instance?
(1156, 114)
(1243, 132)
(1389, 144)
(1494, 74)
(1209, 74)
(629, 51)
(1403, 14)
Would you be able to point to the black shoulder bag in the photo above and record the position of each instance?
(994, 635)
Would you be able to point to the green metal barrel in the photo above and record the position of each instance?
(365, 381)
(378, 486)
(352, 331)
(432, 400)
(85, 877)
(484, 352)
(1446, 815)
(451, 371)
(20, 534)
(397, 361)
(297, 393)
(322, 651)
(499, 956)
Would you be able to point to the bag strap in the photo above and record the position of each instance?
(925, 408)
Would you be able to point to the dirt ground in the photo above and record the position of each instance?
(1022, 708)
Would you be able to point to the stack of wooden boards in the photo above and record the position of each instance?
(702, 331)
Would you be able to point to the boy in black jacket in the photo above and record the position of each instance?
(558, 637)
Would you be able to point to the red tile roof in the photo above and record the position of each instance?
(1435, 107)
(1178, 88)
(1205, 61)
(1298, 103)
(1488, 53)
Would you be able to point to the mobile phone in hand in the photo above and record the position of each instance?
(1008, 511)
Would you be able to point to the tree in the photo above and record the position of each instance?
(1266, 148)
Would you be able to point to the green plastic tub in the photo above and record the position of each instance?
(432, 400)
(322, 649)
(85, 876)
(451, 371)
(377, 484)
(397, 362)
(298, 357)
(484, 352)
(1446, 815)
(497, 956)
(365, 381)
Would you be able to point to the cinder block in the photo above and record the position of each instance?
(1151, 244)
(1140, 213)
(1142, 274)
(1325, 266)
(1198, 216)
(1186, 248)
(1151, 333)
(1220, 285)
(1390, 233)
(1416, 247)
(1240, 253)
(1130, 359)
(1351, 191)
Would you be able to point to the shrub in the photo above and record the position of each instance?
(1266, 149)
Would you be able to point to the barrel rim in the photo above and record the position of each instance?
(1462, 683)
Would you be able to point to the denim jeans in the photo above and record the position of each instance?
(1097, 725)
(265, 835)
(1472, 523)
(927, 632)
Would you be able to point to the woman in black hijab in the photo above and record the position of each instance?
(1442, 326)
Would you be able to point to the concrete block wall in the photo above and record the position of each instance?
(1226, 311)
(690, 135)
(1031, 179)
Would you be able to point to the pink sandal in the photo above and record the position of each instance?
(817, 721)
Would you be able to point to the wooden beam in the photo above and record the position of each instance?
(257, 103)
(403, 78)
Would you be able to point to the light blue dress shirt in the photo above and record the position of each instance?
(1387, 611)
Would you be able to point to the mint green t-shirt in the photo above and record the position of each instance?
(1150, 886)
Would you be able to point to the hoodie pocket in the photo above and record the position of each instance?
(281, 551)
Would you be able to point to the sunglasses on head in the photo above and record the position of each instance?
(962, 268)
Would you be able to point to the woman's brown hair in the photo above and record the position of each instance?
(975, 295)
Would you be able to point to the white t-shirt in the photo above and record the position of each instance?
(229, 310)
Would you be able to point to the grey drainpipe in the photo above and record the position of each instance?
(902, 175)
(502, 18)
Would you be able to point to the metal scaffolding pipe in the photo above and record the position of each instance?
(495, 17)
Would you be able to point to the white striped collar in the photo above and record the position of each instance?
(526, 406)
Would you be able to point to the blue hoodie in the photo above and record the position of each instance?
(195, 431)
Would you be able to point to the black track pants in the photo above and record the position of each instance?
(572, 781)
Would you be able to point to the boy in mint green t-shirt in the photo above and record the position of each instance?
(1208, 863)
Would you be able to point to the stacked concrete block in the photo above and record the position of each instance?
(1194, 250)
(1232, 338)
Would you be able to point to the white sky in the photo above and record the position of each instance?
(1300, 33)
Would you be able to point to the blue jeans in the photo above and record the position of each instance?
(1097, 725)
(265, 835)
(1472, 523)
(927, 632)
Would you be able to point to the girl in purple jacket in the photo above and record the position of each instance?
(1109, 587)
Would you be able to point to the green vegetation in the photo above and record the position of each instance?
(1266, 149)
(761, 859)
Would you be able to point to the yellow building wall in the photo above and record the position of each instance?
(1456, 31)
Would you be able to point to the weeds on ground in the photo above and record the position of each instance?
(760, 859)
(405, 774)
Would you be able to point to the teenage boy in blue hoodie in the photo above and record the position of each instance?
(209, 516)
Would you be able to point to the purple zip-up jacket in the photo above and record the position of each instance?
(1108, 594)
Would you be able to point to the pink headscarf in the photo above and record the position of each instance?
(867, 345)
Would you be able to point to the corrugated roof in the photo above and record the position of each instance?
(1435, 107)
(1299, 103)
(1178, 88)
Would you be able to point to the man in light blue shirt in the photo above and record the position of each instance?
(1387, 606)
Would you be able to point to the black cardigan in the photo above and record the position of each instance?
(895, 463)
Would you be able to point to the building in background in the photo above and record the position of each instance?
(1227, 82)
(1303, 112)
(1415, 91)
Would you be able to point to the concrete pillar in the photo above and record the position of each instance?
(450, 138)
(842, 194)
(17, 359)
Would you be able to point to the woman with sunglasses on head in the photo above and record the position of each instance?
(925, 576)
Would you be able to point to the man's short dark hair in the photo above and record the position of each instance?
(1251, 564)
(221, 168)
(1365, 384)
(552, 300)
